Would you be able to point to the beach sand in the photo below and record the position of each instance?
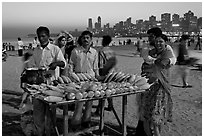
(187, 110)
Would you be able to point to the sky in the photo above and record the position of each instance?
(22, 18)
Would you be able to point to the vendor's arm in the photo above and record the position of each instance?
(53, 65)
(72, 61)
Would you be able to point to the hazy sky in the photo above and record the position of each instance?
(20, 18)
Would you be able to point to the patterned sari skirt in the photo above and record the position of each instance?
(156, 105)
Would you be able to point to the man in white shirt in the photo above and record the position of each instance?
(47, 56)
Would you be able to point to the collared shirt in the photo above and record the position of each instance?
(84, 62)
(44, 57)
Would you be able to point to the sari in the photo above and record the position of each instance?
(156, 104)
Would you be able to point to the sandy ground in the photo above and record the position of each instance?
(187, 111)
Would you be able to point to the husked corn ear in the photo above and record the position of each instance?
(54, 88)
(60, 80)
(65, 79)
(80, 77)
(141, 81)
(84, 77)
(53, 99)
(145, 86)
(74, 76)
(53, 93)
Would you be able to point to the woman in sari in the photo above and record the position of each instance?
(156, 104)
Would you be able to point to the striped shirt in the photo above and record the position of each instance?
(104, 55)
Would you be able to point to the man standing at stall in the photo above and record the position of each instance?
(48, 56)
(84, 59)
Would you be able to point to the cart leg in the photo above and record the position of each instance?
(114, 112)
(101, 127)
(116, 116)
(124, 115)
(53, 109)
(47, 120)
(65, 118)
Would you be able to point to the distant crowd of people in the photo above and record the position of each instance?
(8, 46)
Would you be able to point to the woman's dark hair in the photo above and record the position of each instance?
(70, 43)
(19, 38)
(106, 40)
(156, 31)
(45, 29)
(164, 37)
(61, 37)
(184, 37)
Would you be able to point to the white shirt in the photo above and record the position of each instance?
(20, 44)
(35, 43)
(44, 57)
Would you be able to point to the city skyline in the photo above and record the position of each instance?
(17, 22)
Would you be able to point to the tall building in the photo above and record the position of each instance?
(152, 21)
(175, 19)
(139, 25)
(90, 25)
(166, 17)
(188, 15)
(199, 24)
(106, 27)
(186, 22)
(166, 21)
(193, 24)
(176, 25)
(99, 22)
(129, 21)
(96, 26)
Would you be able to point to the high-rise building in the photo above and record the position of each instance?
(106, 26)
(96, 26)
(99, 22)
(152, 21)
(188, 15)
(193, 24)
(166, 17)
(186, 22)
(90, 25)
(166, 21)
(175, 19)
(152, 18)
(199, 24)
(129, 21)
